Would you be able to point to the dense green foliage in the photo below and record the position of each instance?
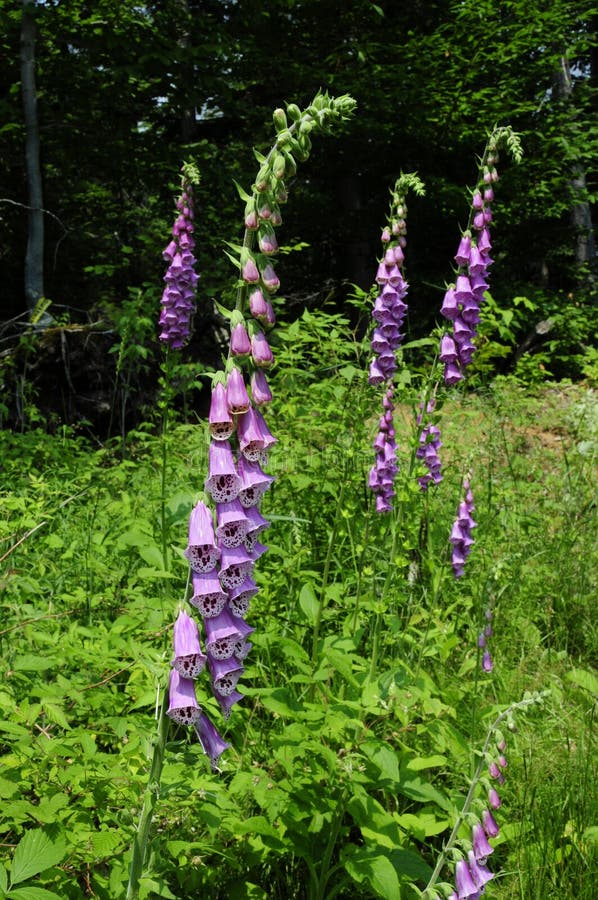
(365, 702)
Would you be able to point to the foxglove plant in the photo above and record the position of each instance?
(178, 297)
(471, 854)
(429, 445)
(463, 298)
(222, 551)
(388, 314)
(460, 536)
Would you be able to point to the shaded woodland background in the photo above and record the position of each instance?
(125, 92)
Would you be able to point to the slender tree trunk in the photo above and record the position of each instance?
(34, 258)
(581, 214)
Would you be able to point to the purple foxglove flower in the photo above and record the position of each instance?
(182, 703)
(484, 242)
(188, 658)
(202, 552)
(242, 646)
(221, 421)
(463, 292)
(477, 200)
(479, 873)
(270, 279)
(254, 482)
(463, 251)
(235, 566)
(260, 351)
(493, 798)
(240, 344)
(258, 306)
(463, 881)
(385, 236)
(251, 220)
(488, 195)
(452, 373)
(270, 315)
(494, 771)
(487, 664)
(222, 633)
(223, 483)
(250, 272)
(251, 440)
(236, 392)
(477, 263)
(233, 524)
(260, 390)
(211, 741)
(502, 761)
(240, 597)
(481, 847)
(257, 549)
(208, 596)
(227, 703)
(479, 220)
(450, 307)
(481, 638)
(267, 436)
(225, 675)
(448, 350)
(376, 375)
(489, 824)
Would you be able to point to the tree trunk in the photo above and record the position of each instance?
(34, 258)
(581, 214)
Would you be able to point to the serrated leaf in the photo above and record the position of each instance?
(35, 852)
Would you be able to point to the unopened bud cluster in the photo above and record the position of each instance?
(178, 297)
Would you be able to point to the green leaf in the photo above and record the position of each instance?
(35, 852)
(3, 879)
(378, 870)
(309, 603)
(33, 893)
(583, 679)
(29, 662)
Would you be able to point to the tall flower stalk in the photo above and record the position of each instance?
(226, 524)
(389, 314)
(463, 298)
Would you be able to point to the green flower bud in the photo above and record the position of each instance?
(294, 112)
(279, 165)
(283, 138)
(262, 181)
(280, 119)
(291, 165)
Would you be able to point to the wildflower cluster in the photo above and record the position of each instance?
(388, 314)
(224, 543)
(462, 300)
(178, 297)
(429, 445)
(460, 536)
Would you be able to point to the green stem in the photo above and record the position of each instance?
(326, 575)
(332, 839)
(521, 704)
(140, 841)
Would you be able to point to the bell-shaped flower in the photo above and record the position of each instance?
(223, 482)
(464, 249)
(240, 344)
(182, 703)
(220, 420)
(258, 306)
(222, 633)
(481, 848)
(463, 881)
(260, 390)
(493, 798)
(225, 675)
(208, 596)
(480, 875)
(202, 550)
(211, 741)
(251, 442)
(232, 523)
(236, 392)
(188, 660)
(240, 596)
(227, 702)
(260, 351)
(235, 566)
(489, 823)
(270, 279)
(254, 482)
